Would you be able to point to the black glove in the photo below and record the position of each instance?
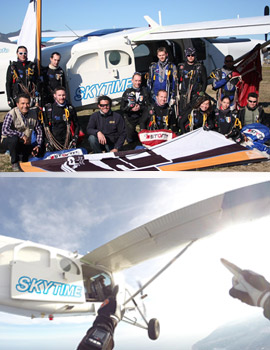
(49, 147)
(73, 142)
(103, 326)
(109, 307)
(228, 77)
(11, 103)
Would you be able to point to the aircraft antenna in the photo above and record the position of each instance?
(72, 31)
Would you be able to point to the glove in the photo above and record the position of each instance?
(49, 147)
(104, 323)
(110, 308)
(73, 142)
(32, 102)
(11, 103)
(250, 288)
(228, 77)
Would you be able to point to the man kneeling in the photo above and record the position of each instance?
(19, 127)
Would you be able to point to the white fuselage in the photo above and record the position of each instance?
(37, 280)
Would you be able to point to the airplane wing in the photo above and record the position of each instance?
(182, 226)
(58, 36)
(211, 29)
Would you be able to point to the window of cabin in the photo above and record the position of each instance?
(117, 58)
(67, 265)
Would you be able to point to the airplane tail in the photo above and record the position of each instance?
(151, 22)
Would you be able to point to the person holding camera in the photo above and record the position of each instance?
(134, 101)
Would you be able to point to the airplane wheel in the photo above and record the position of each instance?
(153, 329)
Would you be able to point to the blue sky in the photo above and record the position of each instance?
(81, 214)
(84, 14)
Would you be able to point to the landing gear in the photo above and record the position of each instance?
(153, 329)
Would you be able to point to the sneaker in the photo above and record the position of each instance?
(16, 167)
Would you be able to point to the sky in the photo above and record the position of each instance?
(87, 14)
(190, 299)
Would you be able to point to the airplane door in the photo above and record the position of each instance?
(104, 71)
(44, 275)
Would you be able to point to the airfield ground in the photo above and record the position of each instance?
(256, 167)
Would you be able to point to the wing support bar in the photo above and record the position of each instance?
(159, 272)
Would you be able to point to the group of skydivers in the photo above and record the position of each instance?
(41, 119)
(187, 106)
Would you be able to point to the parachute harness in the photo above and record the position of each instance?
(191, 120)
(16, 78)
(52, 140)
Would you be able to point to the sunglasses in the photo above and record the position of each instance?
(252, 101)
(190, 55)
(104, 105)
(22, 53)
(228, 61)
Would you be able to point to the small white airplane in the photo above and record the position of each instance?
(103, 61)
(42, 281)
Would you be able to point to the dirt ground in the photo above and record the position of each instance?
(5, 165)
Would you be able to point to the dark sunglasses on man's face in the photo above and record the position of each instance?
(252, 101)
(22, 53)
(104, 105)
